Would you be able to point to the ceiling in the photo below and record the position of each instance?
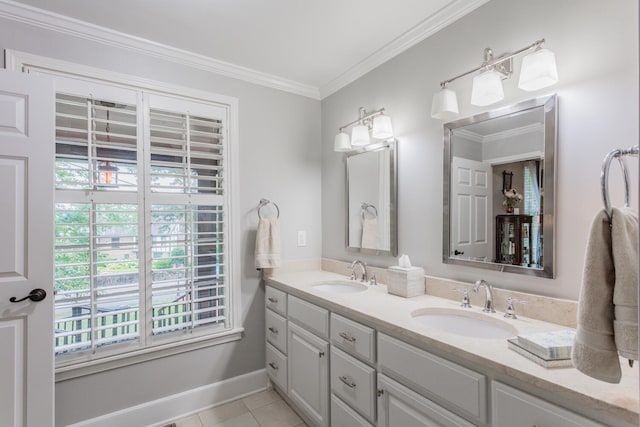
(320, 44)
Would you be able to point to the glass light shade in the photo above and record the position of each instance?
(107, 174)
(341, 142)
(360, 136)
(444, 105)
(487, 89)
(538, 70)
(382, 128)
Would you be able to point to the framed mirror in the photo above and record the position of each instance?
(372, 199)
(499, 189)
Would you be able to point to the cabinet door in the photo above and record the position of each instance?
(308, 358)
(399, 406)
(515, 408)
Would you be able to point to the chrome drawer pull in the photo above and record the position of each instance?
(347, 381)
(273, 366)
(273, 300)
(347, 337)
(273, 330)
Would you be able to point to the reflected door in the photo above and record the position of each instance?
(26, 253)
(470, 209)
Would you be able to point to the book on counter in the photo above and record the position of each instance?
(549, 345)
(514, 344)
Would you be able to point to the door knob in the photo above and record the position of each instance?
(35, 296)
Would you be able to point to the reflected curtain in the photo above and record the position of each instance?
(532, 207)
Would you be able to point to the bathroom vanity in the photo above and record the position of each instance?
(346, 354)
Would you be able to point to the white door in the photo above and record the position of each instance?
(26, 253)
(471, 209)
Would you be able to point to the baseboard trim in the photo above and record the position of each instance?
(164, 410)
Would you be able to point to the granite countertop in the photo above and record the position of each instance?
(392, 315)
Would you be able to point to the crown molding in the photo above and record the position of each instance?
(76, 28)
(510, 133)
(469, 135)
(434, 23)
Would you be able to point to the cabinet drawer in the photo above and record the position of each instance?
(276, 300)
(514, 408)
(277, 367)
(309, 316)
(354, 338)
(438, 379)
(343, 416)
(353, 382)
(276, 330)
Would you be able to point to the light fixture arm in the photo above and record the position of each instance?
(489, 62)
(365, 118)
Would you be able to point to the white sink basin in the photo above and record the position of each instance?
(340, 286)
(465, 323)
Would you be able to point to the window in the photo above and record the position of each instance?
(141, 248)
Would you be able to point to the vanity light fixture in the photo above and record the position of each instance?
(538, 71)
(376, 122)
(360, 136)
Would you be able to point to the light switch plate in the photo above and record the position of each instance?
(302, 238)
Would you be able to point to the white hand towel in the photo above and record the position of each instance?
(370, 238)
(594, 350)
(624, 241)
(268, 253)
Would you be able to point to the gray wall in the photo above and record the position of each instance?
(596, 47)
(279, 159)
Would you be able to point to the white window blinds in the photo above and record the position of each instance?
(140, 219)
(187, 217)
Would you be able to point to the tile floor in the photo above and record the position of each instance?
(263, 409)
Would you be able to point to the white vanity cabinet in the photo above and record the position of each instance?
(308, 359)
(515, 408)
(338, 372)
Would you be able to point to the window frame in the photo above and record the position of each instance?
(85, 364)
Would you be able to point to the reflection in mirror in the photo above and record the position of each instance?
(499, 189)
(371, 199)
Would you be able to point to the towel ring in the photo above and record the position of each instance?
(617, 154)
(365, 206)
(265, 202)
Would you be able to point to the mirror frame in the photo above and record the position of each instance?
(549, 103)
(392, 144)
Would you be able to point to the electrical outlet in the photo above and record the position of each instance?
(302, 238)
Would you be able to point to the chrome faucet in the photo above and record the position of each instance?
(352, 267)
(488, 299)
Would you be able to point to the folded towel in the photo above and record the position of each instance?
(624, 241)
(594, 349)
(370, 234)
(268, 253)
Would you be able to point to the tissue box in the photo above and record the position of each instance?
(405, 282)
